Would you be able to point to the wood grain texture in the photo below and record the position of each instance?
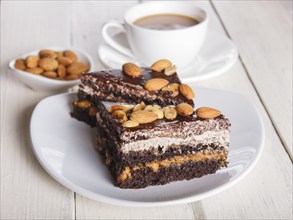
(27, 191)
(264, 40)
(89, 209)
(87, 19)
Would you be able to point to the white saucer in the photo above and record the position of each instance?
(217, 55)
(65, 149)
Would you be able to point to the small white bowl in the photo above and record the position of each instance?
(41, 83)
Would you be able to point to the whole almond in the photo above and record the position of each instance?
(64, 61)
(184, 109)
(130, 124)
(170, 70)
(61, 71)
(35, 70)
(50, 74)
(50, 55)
(155, 84)
(159, 113)
(77, 68)
(70, 54)
(130, 69)
(59, 54)
(121, 115)
(48, 64)
(72, 77)
(143, 117)
(32, 61)
(207, 112)
(46, 53)
(20, 64)
(161, 65)
(186, 91)
(170, 112)
(174, 86)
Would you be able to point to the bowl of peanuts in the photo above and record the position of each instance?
(51, 69)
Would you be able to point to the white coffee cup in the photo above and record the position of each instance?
(181, 46)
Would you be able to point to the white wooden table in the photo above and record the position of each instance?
(262, 31)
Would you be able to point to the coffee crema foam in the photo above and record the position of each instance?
(166, 22)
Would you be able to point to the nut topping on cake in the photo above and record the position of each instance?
(170, 70)
(170, 112)
(130, 124)
(139, 106)
(83, 104)
(159, 113)
(120, 115)
(161, 65)
(124, 108)
(207, 112)
(152, 107)
(155, 84)
(143, 116)
(184, 109)
(132, 70)
(186, 91)
(173, 87)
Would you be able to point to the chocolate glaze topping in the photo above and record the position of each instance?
(111, 81)
(147, 74)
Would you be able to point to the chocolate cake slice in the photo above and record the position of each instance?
(157, 137)
(146, 145)
(149, 86)
(114, 85)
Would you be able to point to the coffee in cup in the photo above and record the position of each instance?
(166, 22)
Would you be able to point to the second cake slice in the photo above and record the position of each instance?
(148, 145)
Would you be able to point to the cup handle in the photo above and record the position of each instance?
(114, 44)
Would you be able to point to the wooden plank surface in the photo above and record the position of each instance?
(264, 40)
(27, 191)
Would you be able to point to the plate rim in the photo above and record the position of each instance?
(130, 203)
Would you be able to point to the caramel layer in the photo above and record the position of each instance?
(176, 160)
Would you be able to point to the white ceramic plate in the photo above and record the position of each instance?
(217, 55)
(65, 148)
